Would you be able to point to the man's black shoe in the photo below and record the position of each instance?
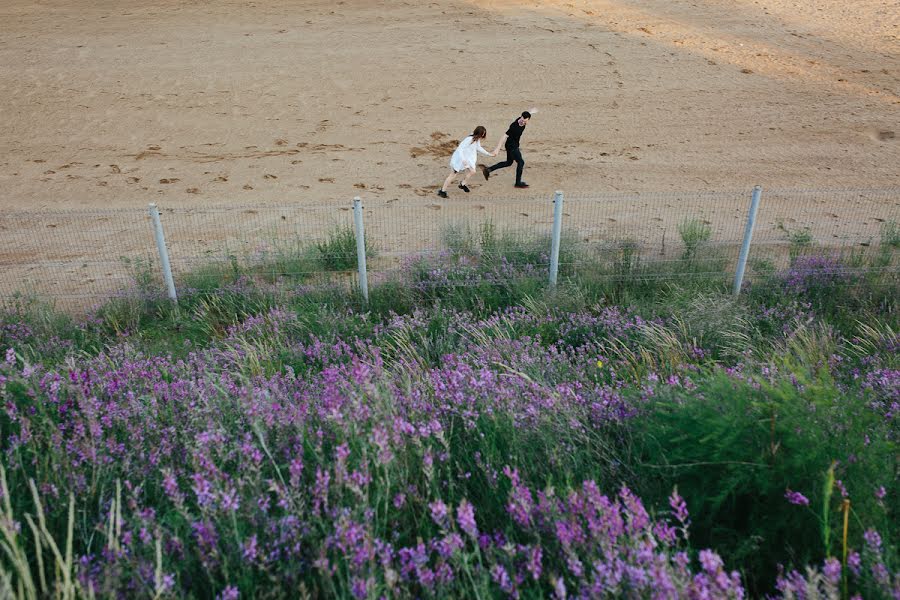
(486, 172)
(521, 184)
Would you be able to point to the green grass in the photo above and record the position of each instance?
(732, 447)
(338, 251)
(694, 234)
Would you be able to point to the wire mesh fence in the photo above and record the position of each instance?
(78, 259)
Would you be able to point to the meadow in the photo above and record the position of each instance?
(466, 433)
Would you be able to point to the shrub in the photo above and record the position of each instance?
(694, 234)
(338, 251)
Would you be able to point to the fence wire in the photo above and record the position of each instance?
(77, 259)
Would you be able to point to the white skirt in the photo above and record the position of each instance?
(466, 155)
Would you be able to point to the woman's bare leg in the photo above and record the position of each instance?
(469, 173)
(448, 181)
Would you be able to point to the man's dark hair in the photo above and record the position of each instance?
(526, 115)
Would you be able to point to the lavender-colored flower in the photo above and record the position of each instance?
(880, 573)
(559, 589)
(465, 517)
(501, 578)
(229, 593)
(840, 486)
(359, 588)
(832, 570)
(854, 563)
(230, 500)
(873, 540)
(880, 493)
(250, 550)
(679, 507)
(203, 490)
(796, 498)
(710, 561)
(439, 513)
(533, 565)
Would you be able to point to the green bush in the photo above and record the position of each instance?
(338, 251)
(694, 234)
(734, 448)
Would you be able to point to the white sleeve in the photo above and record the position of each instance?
(481, 150)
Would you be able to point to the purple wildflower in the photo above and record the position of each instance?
(229, 593)
(832, 570)
(873, 540)
(439, 513)
(796, 498)
(465, 517)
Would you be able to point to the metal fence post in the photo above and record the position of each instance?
(554, 244)
(361, 248)
(163, 253)
(748, 234)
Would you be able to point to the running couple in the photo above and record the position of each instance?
(465, 157)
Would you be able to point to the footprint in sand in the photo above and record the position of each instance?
(884, 136)
(269, 176)
(434, 206)
(221, 178)
(169, 180)
(326, 180)
(247, 186)
(132, 179)
(281, 142)
(193, 190)
(405, 186)
(359, 186)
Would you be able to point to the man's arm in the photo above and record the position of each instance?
(500, 144)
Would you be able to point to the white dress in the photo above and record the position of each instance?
(466, 154)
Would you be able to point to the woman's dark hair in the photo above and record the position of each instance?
(479, 133)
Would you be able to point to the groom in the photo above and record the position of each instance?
(513, 153)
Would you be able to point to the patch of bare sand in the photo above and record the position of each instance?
(313, 103)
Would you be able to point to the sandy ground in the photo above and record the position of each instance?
(112, 104)
(309, 103)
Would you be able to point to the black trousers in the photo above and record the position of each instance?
(513, 155)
